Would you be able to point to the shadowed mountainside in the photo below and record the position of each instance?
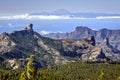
(16, 47)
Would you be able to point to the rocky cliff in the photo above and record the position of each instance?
(16, 47)
(84, 32)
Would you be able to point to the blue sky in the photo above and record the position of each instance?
(8, 7)
(15, 14)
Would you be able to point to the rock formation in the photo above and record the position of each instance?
(84, 32)
(21, 44)
(30, 27)
(110, 51)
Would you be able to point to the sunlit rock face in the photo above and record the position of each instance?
(19, 45)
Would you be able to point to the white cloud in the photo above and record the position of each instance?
(94, 29)
(23, 16)
(47, 17)
(9, 24)
(45, 32)
(52, 17)
(40, 17)
(32, 17)
(108, 17)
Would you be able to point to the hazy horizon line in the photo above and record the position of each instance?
(54, 17)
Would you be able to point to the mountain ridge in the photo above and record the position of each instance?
(16, 47)
(84, 32)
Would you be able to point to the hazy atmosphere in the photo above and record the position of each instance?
(59, 15)
(59, 39)
(30, 6)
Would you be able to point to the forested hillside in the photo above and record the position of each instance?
(72, 71)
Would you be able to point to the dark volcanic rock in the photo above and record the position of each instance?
(102, 56)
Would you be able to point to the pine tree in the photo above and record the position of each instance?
(31, 70)
(118, 78)
(23, 76)
(100, 77)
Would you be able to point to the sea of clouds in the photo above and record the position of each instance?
(52, 17)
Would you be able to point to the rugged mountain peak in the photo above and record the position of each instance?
(96, 54)
(106, 45)
(104, 29)
(106, 42)
(3, 35)
(83, 32)
(102, 55)
(21, 44)
(90, 40)
(110, 51)
(81, 28)
(29, 27)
